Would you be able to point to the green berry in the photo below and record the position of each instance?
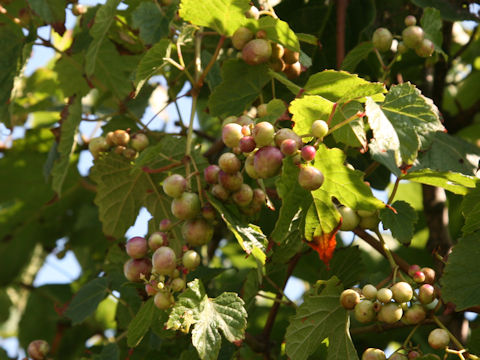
(364, 311)
(349, 299)
(319, 129)
(402, 292)
(438, 339)
(382, 39)
(413, 36)
(350, 220)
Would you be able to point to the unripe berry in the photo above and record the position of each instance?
(256, 51)
(38, 349)
(139, 142)
(267, 161)
(187, 206)
(319, 129)
(293, 71)
(415, 314)
(177, 284)
(350, 219)
(163, 300)
(366, 213)
(119, 150)
(243, 196)
(151, 288)
(289, 147)
(247, 144)
(136, 247)
(263, 133)
(284, 134)
(364, 311)
(390, 313)
(210, 174)
(250, 166)
(208, 212)
(229, 120)
(410, 20)
(197, 232)
(308, 153)
(373, 354)
(231, 134)
(277, 51)
(97, 145)
(129, 153)
(229, 163)
(134, 268)
(413, 269)
(244, 121)
(164, 224)
(425, 49)
(369, 291)
(401, 48)
(412, 36)
(121, 137)
(402, 292)
(231, 182)
(438, 339)
(220, 192)
(429, 275)
(419, 277)
(157, 239)
(259, 197)
(398, 356)
(252, 13)
(109, 138)
(262, 109)
(426, 294)
(277, 65)
(413, 354)
(382, 39)
(164, 260)
(349, 299)
(384, 295)
(191, 259)
(369, 222)
(291, 57)
(241, 36)
(174, 185)
(310, 178)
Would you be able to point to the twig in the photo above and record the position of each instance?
(394, 191)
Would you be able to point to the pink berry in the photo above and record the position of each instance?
(268, 161)
(231, 182)
(157, 239)
(256, 51)
(197, 232)
(229, 163)
(310, 178)
(308, 153)
(164, 260)
(136, 247)
(211, 174)
(133, 269)
(289, 147)
(247, 144)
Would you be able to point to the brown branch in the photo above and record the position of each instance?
(402, 264)
(209, 66)
(341, 15)
(379, 328)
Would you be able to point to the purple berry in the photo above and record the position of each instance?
(268, 161)
(247, 144)
(211, 174)
(243, 196)
(310, 178)
(165, 224)
(133, 269)
(231, 182)
(197, 232)
(164, 260)
(136, 247)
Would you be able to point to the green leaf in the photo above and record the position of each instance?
(307, 38)
(402, 223)
(153, 23)
(295, 199)
(223, 16)
(345, 184)
(275, 109)
(87, 299)
(346, 264)
(151, 63)
(5, 304)
(142, 322)
(449, 11)
(461, 279)
(308, 109)
(67, 144)
(451, 181)
(353, 133)
(322, 217)
(249, 236)
(336, 85)
(109, 352)
(209, 315)
(114, 70)
(403, 124)
(51, 11)
(11, 43)
(71, 80)
(356, 55)
(449, 153)
(320, 317)
(294, 88)
(120, 194)
(431, 23)
(104, 19)
(241, 85)
(471, 210)
(278, 31)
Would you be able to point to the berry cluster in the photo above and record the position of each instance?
(362, 218)
(121, 142)
(399, 302)
(413, 37)
(259, 149)
(257, 49)
(164, 274)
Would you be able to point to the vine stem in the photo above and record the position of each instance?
(344, 122)
(405, 343)
(394, 191)
(388, 254)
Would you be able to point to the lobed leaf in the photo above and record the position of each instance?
(279, 31)
(402, 223)
(151, 63)
(152, 23)
(471, 210)
(86, 300)
(141, 323)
